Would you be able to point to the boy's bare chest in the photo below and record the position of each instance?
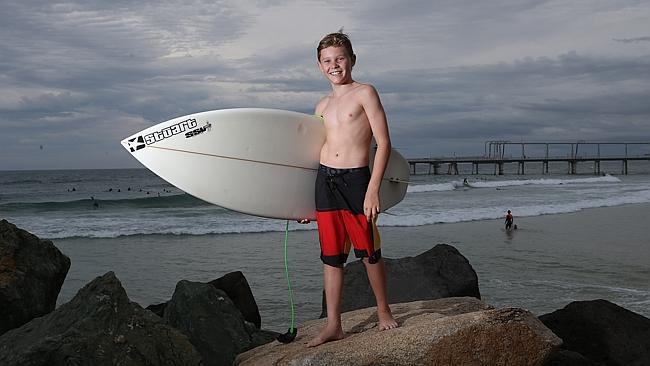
(340, 112)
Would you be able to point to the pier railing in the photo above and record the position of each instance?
(500, 153)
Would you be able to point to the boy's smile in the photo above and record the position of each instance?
(336, 65)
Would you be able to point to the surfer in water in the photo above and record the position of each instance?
(509, 220)
(347, 194)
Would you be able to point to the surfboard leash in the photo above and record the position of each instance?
(290, 335)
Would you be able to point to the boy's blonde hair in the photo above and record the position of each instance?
(338, 39)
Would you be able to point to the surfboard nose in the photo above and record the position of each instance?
(133, 143)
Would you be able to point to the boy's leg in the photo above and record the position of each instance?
(377, 277)
(333, 282)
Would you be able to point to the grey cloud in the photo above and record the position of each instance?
(626, 104)
(79, 76)
(568, 97)
(632, 40)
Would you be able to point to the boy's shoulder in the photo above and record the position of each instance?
(362, 89)
(365, 90)
(362, 92)
(365, 87)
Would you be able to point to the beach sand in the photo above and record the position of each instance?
(546, 263)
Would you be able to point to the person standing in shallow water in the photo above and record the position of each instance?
(509, 220)
(347, 194)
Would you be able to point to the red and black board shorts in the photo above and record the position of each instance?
(339, 214)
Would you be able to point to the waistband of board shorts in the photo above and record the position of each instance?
(337, 171)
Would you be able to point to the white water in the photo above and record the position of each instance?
(45, 204)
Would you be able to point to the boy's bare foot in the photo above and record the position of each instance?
(326, 335)
(386, 320)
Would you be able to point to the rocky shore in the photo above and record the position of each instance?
(434, 296)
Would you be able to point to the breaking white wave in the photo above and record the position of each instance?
(543, 181)
(476, 183)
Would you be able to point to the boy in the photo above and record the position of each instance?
(347, 195)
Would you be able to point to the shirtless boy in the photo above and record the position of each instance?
(347, 195)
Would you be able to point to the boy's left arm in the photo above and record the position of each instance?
(379, 126)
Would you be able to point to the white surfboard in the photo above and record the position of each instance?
(256, 161)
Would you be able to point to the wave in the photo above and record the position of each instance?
(169, 201)
(111, 230)
(20, 181)
(176, 233)
(440, 187)
(508, 183)
(490, 213)
(205, 223)
(182, 214)
(544, 181)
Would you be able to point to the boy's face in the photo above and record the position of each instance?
(336, 65)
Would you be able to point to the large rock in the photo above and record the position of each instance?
(234, 284)
(99, 326)
(451, 331)
(213, 323)
(32, 272)
(603, 332)
(437, 273)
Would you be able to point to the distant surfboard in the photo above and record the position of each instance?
(256, 161)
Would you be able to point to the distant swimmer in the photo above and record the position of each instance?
(509, 220)
(465, 182)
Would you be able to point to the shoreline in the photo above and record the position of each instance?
(492, 221)
(627, 214)
(548, 262)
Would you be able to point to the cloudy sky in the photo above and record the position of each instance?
(77, 77)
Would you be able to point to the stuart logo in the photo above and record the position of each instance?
(136, 143)
(198, 131)
(170, 131)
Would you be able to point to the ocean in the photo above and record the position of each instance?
(152, 234)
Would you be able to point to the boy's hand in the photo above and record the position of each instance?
(371, 205)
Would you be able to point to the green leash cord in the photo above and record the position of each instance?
(290, 335)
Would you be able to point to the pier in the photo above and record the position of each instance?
(570, 153)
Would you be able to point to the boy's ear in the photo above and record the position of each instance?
(354, 59)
